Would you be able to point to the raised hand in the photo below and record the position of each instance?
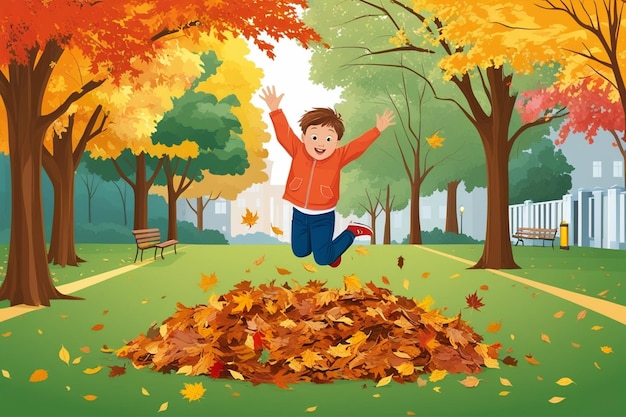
(386, 120)
(270, 97)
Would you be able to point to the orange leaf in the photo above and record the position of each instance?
(97, 327)
(90, 397)
(559, 314)
(85, 349)
(582, 315)
(425, 275)
(484, 287)
(260, 260)
(249, 218)
(276, 230)
(38, 376)
(283, 271)
(207, 281)
(545, 338)
(529, 358)
(494, 327)
(385, 280)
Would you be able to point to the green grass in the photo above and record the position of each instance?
(128, 304)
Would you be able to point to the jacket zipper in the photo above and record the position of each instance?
(308, 190)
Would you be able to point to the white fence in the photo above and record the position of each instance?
(595, 218)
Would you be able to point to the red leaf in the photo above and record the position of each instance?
(216, 369)
(117, 371)
(97, 327)
(510, 361)
(400, 261)
(258, 340)
(474, 301)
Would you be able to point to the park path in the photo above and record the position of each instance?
(611, 310)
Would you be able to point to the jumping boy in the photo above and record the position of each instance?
(313, 181)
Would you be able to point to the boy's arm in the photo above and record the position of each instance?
(285, 135)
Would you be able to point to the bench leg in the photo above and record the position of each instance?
(155, 251)
(142, 255)
(175, 250)
(162, 257)
(136, 254)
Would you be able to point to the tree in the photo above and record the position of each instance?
(484, 58)
(111, 35)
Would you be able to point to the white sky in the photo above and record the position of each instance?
(289, 72)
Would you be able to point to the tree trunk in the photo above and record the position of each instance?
(200, 213)
(60, 169)
(172, 225)
(452, 225)
(373, 217)
(141, 188)
(415, 232)
(388, 205)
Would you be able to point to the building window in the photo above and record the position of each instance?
(427, 213)
(223, 228)
(241, 202)
(442, 212)
(618, 169)
(220, 207)
(597, 169)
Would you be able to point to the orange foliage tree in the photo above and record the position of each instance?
(35, 35)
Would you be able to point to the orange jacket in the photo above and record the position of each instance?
(314, 184)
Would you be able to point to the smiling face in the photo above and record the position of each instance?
(320, 141)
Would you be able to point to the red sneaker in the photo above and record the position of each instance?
(359, 229)
(336, 262)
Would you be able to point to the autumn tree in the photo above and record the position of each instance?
(36, 34)
(485, 58)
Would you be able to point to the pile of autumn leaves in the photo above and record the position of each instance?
(283, 335)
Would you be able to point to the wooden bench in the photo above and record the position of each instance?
(535, 233)
(151, 238)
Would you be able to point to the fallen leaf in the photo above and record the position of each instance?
(105, 312)
(91, 371)
(581, 315)
(556, 400)
(470, 382)
(97, 327)
(559, 314)
(185, 370)
(494, 327)
(85, 349)
(437, 375)
(309, 267)
(311, 409)
(6, 374)
(385, 280)
(193, 392)
(259, 261)
(425, 275)
(510, 361)
(249, 219)
(400, 261)
(405, 284)
(606, 349)
(77, 360)
(384, 381)
(236, 375)
(377, 395)
(276, 230)
(474, 301)
(410, 413)
(437, 389)
(64, 355)
(505, 382)
(244, 302)
(352, 283)
(484, 287)
(421, 382)
(163, 407)
(207, 281)
(39, 331)
(145, 392)
(64, 316)
(236, 394)
(453, 276)
(545, 338)
(576, 345)
(361, 250)
(117, 371)
(106, 349)
(564, 382)
(6, 334)
(603, 293)
(504, 393)
(529, 358)
(596, 328)
(283, 271)
(596, 365)
(90, 397)
(38, 376)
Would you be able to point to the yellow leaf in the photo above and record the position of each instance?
(376, 395)
(505, 382)
(435, 141)
(357, 338)
(437, 375)
(38, 376)
(185, 370)
(361, 250)
(249, 218)
(437, 389)
(453, 276)
(556, 400)
(596, 328)
(352, 283)
(244, 302)
(90, 397)
(581, 315)
(545, 338)
(276, 230)
(494, 327)
(67, 387)
(504, 393)
(39, 331)
(603, 293)
(287, 324)
(384, 381)
(470, 382)
(207, 281)
(163, 407)
(339, 351)
(76, 361)
(491, 363)
(145, 392)
(91, 371)
(193, 392)
(6, 334)
(309, 358)
(311, 409)
(236, 375)
(6, 374)
(64, 355)
(405, 368)
(606, 349)
(283, 271)
(559, 314)
(426, 303)
(309, 267)
(405, 284)
(410, 413)
(564, 382)
(596, 365)
(259, 261)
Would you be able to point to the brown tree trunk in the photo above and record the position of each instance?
(452, 225)
(174, 191)
(141, 188)
(388, 206)
(172, 225)
(415, 229)
(200, 213)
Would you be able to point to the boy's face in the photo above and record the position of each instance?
(320, 141)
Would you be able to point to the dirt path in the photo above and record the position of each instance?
(17, 310)
(611, 310)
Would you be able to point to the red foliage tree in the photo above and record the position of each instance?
(36, 33)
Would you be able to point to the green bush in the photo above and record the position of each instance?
(438, 236)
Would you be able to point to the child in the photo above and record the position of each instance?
(313, 181)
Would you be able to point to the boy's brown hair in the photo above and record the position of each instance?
(324, 117)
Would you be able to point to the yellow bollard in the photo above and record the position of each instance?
(564, 236)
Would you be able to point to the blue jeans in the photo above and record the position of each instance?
(314, 233)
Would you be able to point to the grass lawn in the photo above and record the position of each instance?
(533, 323)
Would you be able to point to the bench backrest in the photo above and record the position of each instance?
(536, 232)
(147, 237)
